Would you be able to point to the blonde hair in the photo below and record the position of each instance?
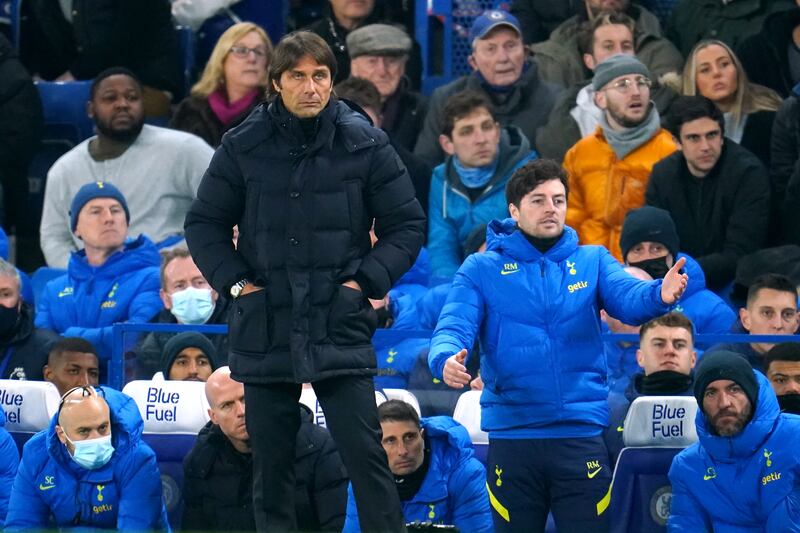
(214, 73)
(748, 98)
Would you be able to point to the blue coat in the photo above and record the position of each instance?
(454, 489)
(397, 357)
(9, 459)
(542, 360)
(708, 312)
(746, 483)
(88, 300)
(124, 494)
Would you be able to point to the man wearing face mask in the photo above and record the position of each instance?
(89, 469)
(187, 299)
(782, 365)
(649, 241)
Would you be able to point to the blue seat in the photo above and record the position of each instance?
(29, 406)
(64, 105)
(187, 44)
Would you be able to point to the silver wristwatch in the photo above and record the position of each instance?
(236, 288)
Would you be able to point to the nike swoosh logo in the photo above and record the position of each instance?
(507, 272)
(590, 475)
(46, 487)
(620, 429)
(706, 478)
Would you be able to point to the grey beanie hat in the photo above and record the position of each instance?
(378, 40)
(615, 66)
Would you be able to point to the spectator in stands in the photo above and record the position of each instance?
(503, 72)
(782, 366)
(560, 57)
(157, 169)
(233, 83)
(576, 114)
(771, 310)
(9, 460)
(772, 57)
(23, 345)
(188, 356)
(379, 53)
(713, 70)
(741, 474)
(467, 190)
(188, 299)
(113, 279)
(608, 170)
(534, 257)
(101, 473)
(80, 39)
(72, 363)
(666, 356)
(716, 191)
(300, 285)
(538, 18)
(650, 241)
(785, 169)
(437, 475)
(218, 472)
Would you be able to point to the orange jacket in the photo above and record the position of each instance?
(603, 189)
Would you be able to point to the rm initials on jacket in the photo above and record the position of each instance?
(577, 286)
(509, 268)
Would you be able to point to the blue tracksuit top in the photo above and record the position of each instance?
(708, 312)
(746, 483)
(454, 489)
(124, 494)
(542, 361)
(9, 459)
(88, 300)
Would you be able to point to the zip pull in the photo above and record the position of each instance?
(543, 267)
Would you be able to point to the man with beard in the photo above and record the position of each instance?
(783, 371)
(157, 169)
(608, 170)
(742, 474)
(188, 356)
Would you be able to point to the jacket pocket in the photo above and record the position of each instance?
(248, 323)
(351, 319)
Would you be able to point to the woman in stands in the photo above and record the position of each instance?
(713, 70)
(233, 83)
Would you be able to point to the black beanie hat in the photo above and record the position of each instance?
(648, 224)
(725, 365)
(181, 341)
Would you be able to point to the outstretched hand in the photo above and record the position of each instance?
(674, 283)
(455, 373)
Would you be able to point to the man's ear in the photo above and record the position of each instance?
(471, 62)
(447, 144)
(744, 317)
(513, 211)
(166, 299)
(90, 109)
(48, 374)
(275, 86)
(588, 60)
(212, 416)
(640, 358)
(60, 434)
(600, 100)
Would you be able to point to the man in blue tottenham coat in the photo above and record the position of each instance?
(437, 475)
(111, 280)
(9, 459)
(743, 475)
(89, 469)
(535, 297)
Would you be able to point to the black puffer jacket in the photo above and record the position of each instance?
(28, 348)
(218, 482)
(765, 55)
(785, 168)
(304, 210)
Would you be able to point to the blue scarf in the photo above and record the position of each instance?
(476, 177)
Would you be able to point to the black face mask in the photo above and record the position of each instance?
(664, 382)
(656, 267)
(8, 320)
(789, 403)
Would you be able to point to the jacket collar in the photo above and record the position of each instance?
(135, 255)
(504, 237)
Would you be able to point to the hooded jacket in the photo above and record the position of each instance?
(9, 459)
(745, 483)
(453, 215)
(454, 489)
(27, 348)
(125, 494)
(88, 300)
(542, 360)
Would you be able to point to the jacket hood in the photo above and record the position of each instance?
(697, 279)
(455, 447)
(751, 438)
(136, 255)
(504, 236)
(126, 430)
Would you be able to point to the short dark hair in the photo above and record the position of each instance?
(112, 71)
(673, 319)
(169, 255)
(688, 108)
(462, 104)
(70, 344)
(785, 351)
(588, 28)
(293, 47)
(530, 175)
(398, 411)
(776, 282)
(361, 92)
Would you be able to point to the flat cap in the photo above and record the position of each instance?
(378, 40)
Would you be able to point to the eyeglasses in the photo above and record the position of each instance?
(625, 84)
(86, 391)
(243, 51)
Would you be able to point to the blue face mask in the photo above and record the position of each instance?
(92, 454)
(192, 306)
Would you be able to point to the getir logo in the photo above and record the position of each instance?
(577, 286)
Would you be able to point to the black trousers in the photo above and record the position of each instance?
(352, 418)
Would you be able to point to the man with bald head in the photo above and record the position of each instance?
(218, 472)
(89, 469)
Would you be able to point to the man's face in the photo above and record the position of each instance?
(73, 369)
(499, 56)
(351, 10)
(117, 108)
(648, 250)
(475, 139)
(770, 313)
(727, 407)
(9, 292)
(626, 100)
(305, 88)
(784, 377)
(701, 143)
(102, 224)
(404, 446)
(542, 211)
(609, 40)
(179, 274)
(227, 408)
(87, 419)
(385, 72)
(666, 348)
(615, 6)
(191, 364)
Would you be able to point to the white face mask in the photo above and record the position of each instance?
(92, 454)
(192, 306)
